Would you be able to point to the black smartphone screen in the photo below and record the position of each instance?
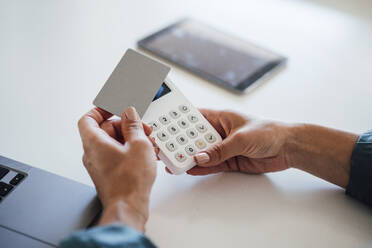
(164, 89)
(213, 55)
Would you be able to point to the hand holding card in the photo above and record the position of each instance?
(134, 82)
(179, 129)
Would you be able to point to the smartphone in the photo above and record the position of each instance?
(213, 55)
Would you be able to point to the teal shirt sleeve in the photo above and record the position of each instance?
(110, 236)
(360, 182)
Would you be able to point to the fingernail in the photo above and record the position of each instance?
(131, 114)
(201, 158)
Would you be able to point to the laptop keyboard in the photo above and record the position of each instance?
(8, 180)
(3, 172)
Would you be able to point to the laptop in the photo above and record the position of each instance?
(39, 209)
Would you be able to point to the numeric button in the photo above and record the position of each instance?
(192, 118)
(180, 156)
(164, 119)
(155, 125)
(192, 133)
(201, 127)
(210, 138)
(175, 114)
(173, 129)
(184, 108)
(171, 146)
(181, 139)
(163, 136)
(190, 149)
(183, 123)
(200, 143)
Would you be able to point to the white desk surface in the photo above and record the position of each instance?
(56, 55)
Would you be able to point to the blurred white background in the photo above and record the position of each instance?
(56, 55)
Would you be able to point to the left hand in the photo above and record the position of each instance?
(119, 158)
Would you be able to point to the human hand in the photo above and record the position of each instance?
(121, 161)
(249, 145)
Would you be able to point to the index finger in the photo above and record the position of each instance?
(213, 117)
(92, 120)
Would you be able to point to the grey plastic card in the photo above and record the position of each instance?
(134, 82)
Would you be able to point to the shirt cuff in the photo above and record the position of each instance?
(360, 182)
(110, 236)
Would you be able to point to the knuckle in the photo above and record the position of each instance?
(134, 124)
(85, 160)
(80, 122)
(93, 139)
(141, 143)
(216, 154)
(239, 138)
(226, 112)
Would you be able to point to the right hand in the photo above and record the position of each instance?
(249, 145)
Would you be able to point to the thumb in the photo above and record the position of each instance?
(218, 153)
(131, 125)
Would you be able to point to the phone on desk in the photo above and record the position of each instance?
(179, 129)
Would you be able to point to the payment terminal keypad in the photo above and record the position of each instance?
(183, 132)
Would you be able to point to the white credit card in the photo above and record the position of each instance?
(134, 82)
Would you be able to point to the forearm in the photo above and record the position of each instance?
(321, 151)
(122, 212)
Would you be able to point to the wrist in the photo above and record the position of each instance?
(136, 202)
(292, 146)
(125, 212)
(323, 152)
